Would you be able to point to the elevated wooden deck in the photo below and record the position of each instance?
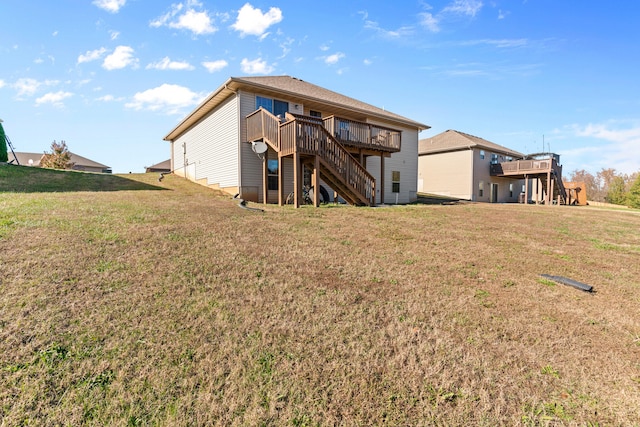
(547, 170)
(310, 142)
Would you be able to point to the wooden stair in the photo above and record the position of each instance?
(307, 137)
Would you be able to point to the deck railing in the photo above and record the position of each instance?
(309, 136)
(363, 135)
(519, 167)
(261, 124)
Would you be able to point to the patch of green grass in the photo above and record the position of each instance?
(25, 179)
(178, 308)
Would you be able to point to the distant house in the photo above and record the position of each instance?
(468, 167)
(79, 163)
(457, 165)
(264, 137)
(163, 167)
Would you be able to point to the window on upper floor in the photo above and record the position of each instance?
(317, 114)
(274, 106)
(494, 159)
(481, 154)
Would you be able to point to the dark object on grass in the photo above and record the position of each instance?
(161, 177)
(243, 204)
(569, 282)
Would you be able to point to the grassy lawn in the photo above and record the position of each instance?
(128, 301)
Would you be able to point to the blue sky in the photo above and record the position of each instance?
(113, 77)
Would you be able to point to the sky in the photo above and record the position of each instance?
(113, 77)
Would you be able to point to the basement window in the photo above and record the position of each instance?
(481, 189)
(272, 174)
(511, 190)
(395, 181)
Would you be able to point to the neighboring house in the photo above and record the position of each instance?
(162, 167)
(79, 163)
(264, 137)
(463, 166)
(458, 165)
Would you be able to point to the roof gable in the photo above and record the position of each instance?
(453, 140)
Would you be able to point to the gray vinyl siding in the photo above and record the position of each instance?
(406, 162)
(212, 147)
(251, 164)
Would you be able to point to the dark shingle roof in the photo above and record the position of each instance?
(77, 160)
(294, 89)
(453, 140)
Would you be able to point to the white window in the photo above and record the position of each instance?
(395, 181)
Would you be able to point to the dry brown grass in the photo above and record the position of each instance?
(178, 308)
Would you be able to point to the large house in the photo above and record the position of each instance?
(79, 163)
(266, 137)
(463, 166)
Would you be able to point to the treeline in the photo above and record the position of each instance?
(610, 186)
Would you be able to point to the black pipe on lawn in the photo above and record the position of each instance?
(569, 282)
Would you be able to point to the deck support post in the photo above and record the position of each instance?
(280, 181)
(549, 198)
(526, 189)
(297, 184)
(265, 179)
(316, 181)
(382, 179)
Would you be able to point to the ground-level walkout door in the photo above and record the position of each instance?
(494, 193)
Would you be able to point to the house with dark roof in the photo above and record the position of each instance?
(266, 137)
(458, 165)
(79, 163)
(463, 166)
(162, 167)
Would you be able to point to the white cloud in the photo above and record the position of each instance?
(257, 66)
(603, 145)
(121, 57)
(501, 43)
(171, 99)
(324, 48)
(112, 6)
(213, 66)
(391, 34)
(167, 64)
(92, 55)
(2, 84)
(53, 98)
(430, 22)
(251, 21)
(463, 7)
(367, 62)
(333, 59)
(28, 87)
(185, 16)
(113, 35)
(55, 33)
(108, 98)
